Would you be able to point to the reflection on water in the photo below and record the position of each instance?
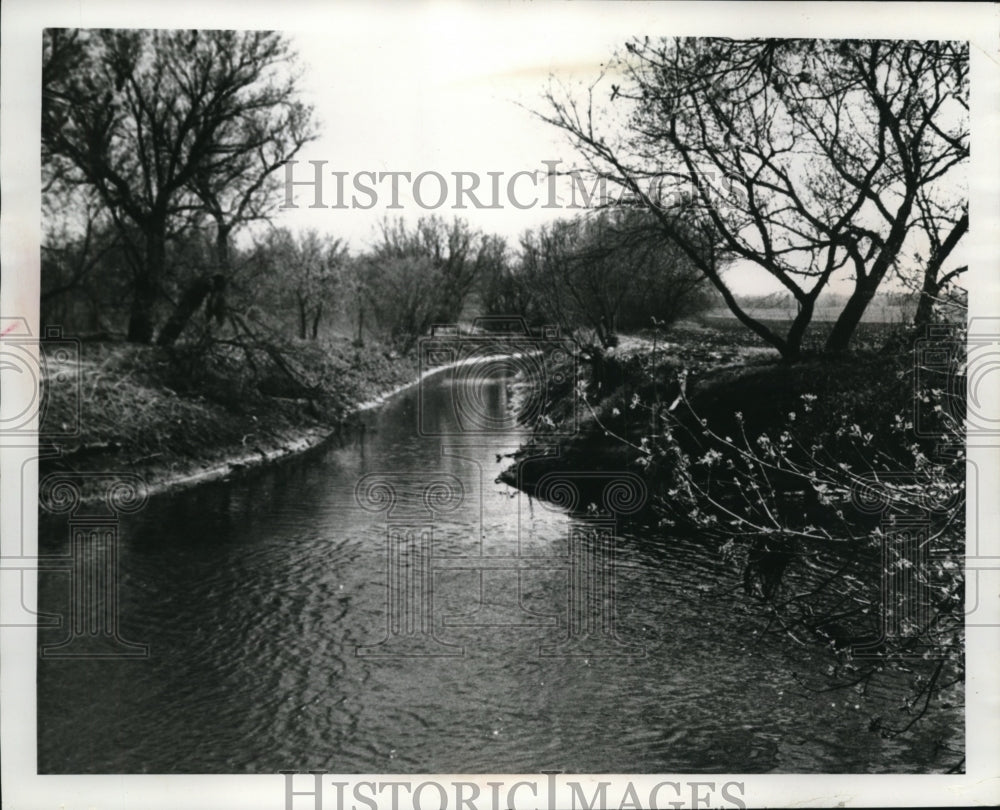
(385, 607)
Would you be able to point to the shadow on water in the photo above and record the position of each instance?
(386, 607)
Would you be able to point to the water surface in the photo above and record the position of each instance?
(263, 601)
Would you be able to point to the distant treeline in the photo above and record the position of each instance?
(161, 153)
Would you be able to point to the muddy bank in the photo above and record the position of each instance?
(140, 411)
(798, 476)
(602, 420)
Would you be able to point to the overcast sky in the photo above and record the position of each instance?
(446, 88)
(440, 89)
(443, 87)
(449, 88)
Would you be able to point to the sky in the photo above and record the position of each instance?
(445, 88)
(437, 89)
(452, 88)
(449, 87)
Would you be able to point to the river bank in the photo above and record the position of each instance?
(140, 410)
(802, 478)
(254, 594)
(177, 419)
(719, 384)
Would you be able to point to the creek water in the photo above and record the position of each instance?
(383, 606)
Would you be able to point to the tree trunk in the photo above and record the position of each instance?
(867, 284)
(752, 324)
(315, 321)
(793, 341)
(191, 299)
(140, 321)
(147, 280)
(216, 307)
(222, 246)
(931, 287)
(925, 306)
(850, 316)
(302, 318)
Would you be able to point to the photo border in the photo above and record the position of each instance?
(20, 70)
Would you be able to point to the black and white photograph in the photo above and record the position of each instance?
(527, 405)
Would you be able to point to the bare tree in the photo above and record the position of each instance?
(944, 232)
(502, 291)
(164, 125)
(805, 158)
(454, 250)
(407, 312)
(611, 272)
(240, 187)
(431, 270)
(298, 279)
(69, 257)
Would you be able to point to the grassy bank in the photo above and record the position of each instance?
(619, 401)
(809, 478)
(181, 416)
